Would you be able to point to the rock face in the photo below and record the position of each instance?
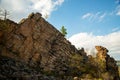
(107, 64)
(34, 48)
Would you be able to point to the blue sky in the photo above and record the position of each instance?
(71, 12)
(88, 22)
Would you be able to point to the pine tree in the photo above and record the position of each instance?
(63, 31)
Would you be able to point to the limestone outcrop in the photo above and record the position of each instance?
(35, 49)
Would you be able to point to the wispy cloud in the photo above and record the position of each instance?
(118, 10)
(22, 8)
(101, 17)
(117, 1)
(115, 29)
(88, 41)
(87, 15)
(94, 16)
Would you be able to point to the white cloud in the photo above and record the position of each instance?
(94, 16)
(118, 13)
(86, 15)
(118, 10)
(22, 8)
(102, 16)
(115, 29)
(89, 41)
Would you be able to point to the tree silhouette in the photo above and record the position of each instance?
(3, 14)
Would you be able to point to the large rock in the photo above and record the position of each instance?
(35, 47)
(107, 64)
(35, 42)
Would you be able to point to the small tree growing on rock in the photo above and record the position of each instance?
(63, 31)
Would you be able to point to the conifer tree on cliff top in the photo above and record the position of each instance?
(63, 30)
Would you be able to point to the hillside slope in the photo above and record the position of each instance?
(35, 50)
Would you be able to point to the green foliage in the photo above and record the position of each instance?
(6, 26)
(63, 31)
(77, 65)
(86, 69)
(3, 25)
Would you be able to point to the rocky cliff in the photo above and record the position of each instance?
(35, 50)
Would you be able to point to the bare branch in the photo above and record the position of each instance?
(4, 13)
